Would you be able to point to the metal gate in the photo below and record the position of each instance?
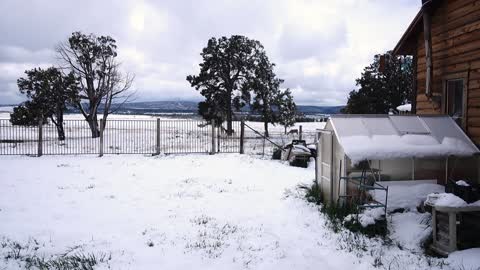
(229, 143)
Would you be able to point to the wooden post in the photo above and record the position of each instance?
(452, 231)
(242, 136)
(300, 132)
(40, 137)
(157, 148)
(213, 137)
(101, 137)
(428, 49)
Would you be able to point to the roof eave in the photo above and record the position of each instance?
(406, 44)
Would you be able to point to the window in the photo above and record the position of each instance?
(455, 94)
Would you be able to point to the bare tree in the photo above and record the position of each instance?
(92, 60)
(116, 91)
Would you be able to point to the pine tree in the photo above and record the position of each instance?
(380, 91)
(25, 114)
(225, 74)
(287, 110)
(266, 90)
(49, 92)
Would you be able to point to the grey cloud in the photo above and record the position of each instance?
(309, 58)
(295, 45)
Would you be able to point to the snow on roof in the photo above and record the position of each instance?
(400, 136)
(405, 108)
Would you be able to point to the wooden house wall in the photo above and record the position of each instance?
(455, 49)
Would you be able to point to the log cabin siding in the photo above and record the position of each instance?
(455, 34)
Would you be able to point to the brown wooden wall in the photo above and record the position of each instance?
(455, 49)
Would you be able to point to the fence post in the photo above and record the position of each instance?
(213, 137)
(242, 136)
(300, 132)
(219, 130)
(101, 137)
(40, 137)
(157, 148)
(263, 147)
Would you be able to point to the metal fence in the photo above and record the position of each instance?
(153, 136)
(257, 144)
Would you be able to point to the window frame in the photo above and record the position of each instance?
(463, 76)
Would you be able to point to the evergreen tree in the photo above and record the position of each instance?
(379, 91)
(209, 112)
(25, 115)
(266, 90)
(225, 74)
(287, 110)
(49, 92)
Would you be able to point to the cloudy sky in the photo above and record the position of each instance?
(320, 46)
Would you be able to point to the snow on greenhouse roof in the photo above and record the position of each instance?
(400, 136)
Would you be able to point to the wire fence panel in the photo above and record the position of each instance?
(140, 137)
(229, 143)
(78, 139)
(185, 136)
(129, 137)
(256, 144)
(17, 140)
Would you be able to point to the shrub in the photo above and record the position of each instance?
(313, 193)
(337, 214)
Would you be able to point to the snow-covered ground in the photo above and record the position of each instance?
(306, 126)
(225, 211)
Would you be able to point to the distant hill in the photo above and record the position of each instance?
(191, 107)
(157, 107)
(319, 109)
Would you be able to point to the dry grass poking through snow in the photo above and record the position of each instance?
(178, 212)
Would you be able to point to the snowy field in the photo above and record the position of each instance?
(306, 126)
(225, 211)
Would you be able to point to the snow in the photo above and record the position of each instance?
(306, 126)
(405, 107)
(199, 211)
(6, 110)
(383, 137)
(137, 134)
(445, 199)
(300, 150)
(380, 147)
(405, 194)
(368, 217)
(462, 183)
(224, 211)
(410, 229)
(465, 259)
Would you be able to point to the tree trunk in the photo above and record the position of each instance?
(57, 120)
(93, 124)
(285, 129)
(59, 125)
(265, 126)
(60, 132)
(229, 113)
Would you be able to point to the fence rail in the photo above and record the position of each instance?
(153, 136)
